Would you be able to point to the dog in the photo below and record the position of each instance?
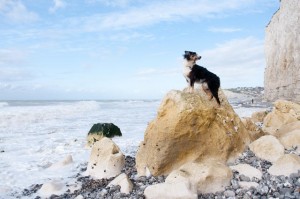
(195, 73)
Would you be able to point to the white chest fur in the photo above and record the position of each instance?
(187, 68)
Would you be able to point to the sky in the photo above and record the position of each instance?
(126, 49)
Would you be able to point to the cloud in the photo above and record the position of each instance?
(11, 65)
(239, 62)
(152, 71)
(7, 86)
(156, 12)
(58, 4)
(14, 74)
(16, 11)
(11, 56)
(125, 37)
(112, 3)
(224, 30)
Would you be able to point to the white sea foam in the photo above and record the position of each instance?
(3, 104)
(34, 135)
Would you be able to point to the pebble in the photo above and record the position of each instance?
(269, 186)
(235, 184)
(229, 193)
(244, 178)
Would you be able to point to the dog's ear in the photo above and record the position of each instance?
(186, 55)
(187, 52)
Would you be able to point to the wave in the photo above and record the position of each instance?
(44, 112)
(3, 104)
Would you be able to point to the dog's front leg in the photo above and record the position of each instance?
(192, 82)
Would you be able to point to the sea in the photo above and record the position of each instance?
(36, 134)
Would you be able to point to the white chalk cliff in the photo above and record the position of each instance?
(282, 50)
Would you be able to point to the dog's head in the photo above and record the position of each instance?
(191, 56)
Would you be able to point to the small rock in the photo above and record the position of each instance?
(123, 181)
(284, 191)
(248, 185)
(264, 190)
(229, 193)
(51, 188)
(244, 178)
(235, 184)
(247, 170)
(79, 197)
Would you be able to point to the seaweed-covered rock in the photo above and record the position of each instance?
(100, 130)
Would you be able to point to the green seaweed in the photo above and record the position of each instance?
(106, 129)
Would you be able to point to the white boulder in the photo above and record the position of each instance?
(207, 177)
(268, 148)
(286, 165)
(50, 188)
(291, 140)
(247, 170)
(178, 190)
(106, 160)
(124, 182)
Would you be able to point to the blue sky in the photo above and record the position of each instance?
(126, 49)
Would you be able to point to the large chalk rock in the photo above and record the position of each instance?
(282, 50)
(255, 132)
(209, 176)
(192, 178)
(286, 165)
(291, 140)
(284, 112)
(190, 127)
(258, 116)
(284, 129)
(289, 136)
(106, 160)
(267, 148)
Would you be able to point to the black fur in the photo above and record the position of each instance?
(187, 55)
(201, 74)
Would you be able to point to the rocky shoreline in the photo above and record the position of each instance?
(268, 187)
(268, 165)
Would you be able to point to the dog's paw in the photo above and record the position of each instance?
(191, 90)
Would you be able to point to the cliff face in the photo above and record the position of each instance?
(282, 50)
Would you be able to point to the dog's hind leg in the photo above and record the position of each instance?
(207, 90)
(216, 96)
(214, 91)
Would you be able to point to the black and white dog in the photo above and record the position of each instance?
(195, 73)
